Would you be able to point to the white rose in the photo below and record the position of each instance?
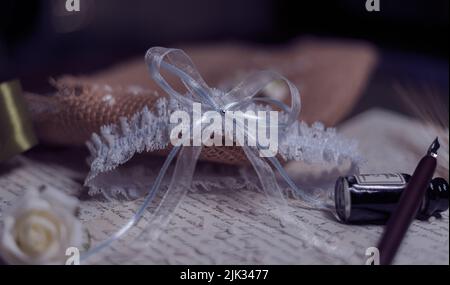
(39, 228)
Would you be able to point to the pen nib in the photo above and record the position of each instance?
(434, 147)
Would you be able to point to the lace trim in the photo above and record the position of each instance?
(116, 144)
(149, 131)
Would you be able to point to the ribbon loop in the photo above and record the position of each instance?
(245, 93)
(179, 64)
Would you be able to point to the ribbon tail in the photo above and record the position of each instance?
(288, 220)
(267, 179)
(178, 187)
(307, 201)
(148, 199)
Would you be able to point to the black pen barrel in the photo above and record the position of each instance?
(406, 210)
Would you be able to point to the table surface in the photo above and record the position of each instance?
(225, 220)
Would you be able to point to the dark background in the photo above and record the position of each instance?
(39, 39)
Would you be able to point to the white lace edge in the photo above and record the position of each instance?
(149, 131)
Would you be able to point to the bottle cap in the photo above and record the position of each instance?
(436, 199)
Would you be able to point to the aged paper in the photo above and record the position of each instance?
(225, 221)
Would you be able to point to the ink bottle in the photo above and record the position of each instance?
(371, 198)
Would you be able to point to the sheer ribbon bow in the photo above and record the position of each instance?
(177, 63)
